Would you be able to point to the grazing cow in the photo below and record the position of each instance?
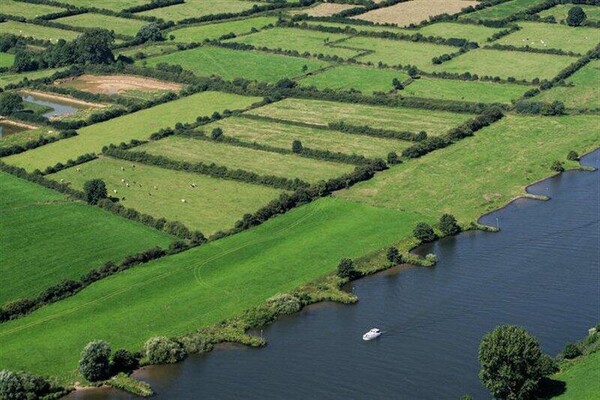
(183, 200)
(115, 191)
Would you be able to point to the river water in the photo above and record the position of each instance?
(59, 108)
(542, 272)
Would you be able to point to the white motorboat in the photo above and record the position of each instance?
(372, 334)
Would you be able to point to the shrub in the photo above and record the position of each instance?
(297, 147)
(571, 351)
(576, 16)
(10, 103)
(284, 304)
(392, 158)
(572, 156)
(162, 350)
(511, 365)
(216, 134)
(95, 190)
(124, 361)
(94, 363)
(557, 166)
(448, 225)
(393, 255)
(10, 386)
(424, 232)
(346, 269)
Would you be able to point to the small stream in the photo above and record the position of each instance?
(541, 271)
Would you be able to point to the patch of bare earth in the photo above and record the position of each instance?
(116, 84)
(415, 11)
(328, 9)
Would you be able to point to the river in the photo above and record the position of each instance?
(541, 271)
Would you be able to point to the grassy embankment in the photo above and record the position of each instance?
(121, 26)
(216, 204)
(200, 287)
(138, 125)
(36, 31)
(318, 112)
(481, 173)
(43, 240)
(199, 33)
(282, 135)
(6, 60)
(230, 64)
(584, 90)
(581, 376)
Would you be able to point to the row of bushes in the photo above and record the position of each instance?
(416, 37)
(32, 144)
(70, 163)
(212, 169)
(366, 130)
(67, 288)
(455, 134)
(41, 180)
(447, 57)
(325, 155)
(22, 385)
(528, 49)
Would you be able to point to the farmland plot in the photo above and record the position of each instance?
(200, 33)
(121, 26)
(36, 31)
(415, 11)
(199, 8)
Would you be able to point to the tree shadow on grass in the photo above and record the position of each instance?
(549, 388)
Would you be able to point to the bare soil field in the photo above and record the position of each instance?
(117, 84)
(413, 12)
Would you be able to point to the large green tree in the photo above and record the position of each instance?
(95, 190)
(576, 16)
(11, 387)
(94, 47)
(94, 363)
(10, 102)
(511, 363)
(448, 225)
(424, 232)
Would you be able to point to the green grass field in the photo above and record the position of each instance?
(560, 12)
(582, 377)
(6, 60)
(115, 5)
(149, 50)
(216, 204)
(199, 33)
(27, 10)
(282, 135)
(553, 36)
(199, 287)
(482, 173)
(583, 94)
(230, 64)
(475, 33)
(516, 64)
(43, 240)
(300, 40)
(7, 79)
(502, 10)
(121, 26)
(473, 91)
(399, 52)
(233, 157)
(199, 8)
(25, 136)
(367, 80)
(36, 31)
(317, 112)
(138, 125)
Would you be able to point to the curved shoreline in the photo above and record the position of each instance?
(400, 268)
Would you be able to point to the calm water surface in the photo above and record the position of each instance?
(542, 271)
(58, 108)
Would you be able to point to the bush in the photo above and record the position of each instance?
(10, 386)
(346, 269)
(297, 147)
(557, 166)
(162, 350)
(424, 232)
(573, 156)
(393, 255)
(571, 351)
(284, 304)
(95, 190)
(392, 158)
(10, 103)
(448, 225)
(576, 16)
(124, 361)
(94, 363)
